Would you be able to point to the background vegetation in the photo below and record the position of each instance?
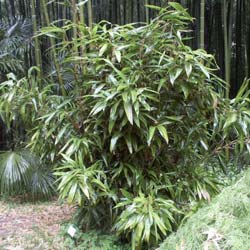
(220, 26)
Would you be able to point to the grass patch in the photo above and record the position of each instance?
(223, 224)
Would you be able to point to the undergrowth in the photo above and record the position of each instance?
(224, 224)
(92, 240)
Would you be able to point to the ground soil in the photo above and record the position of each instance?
(29, 226)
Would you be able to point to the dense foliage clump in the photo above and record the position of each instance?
(223, 224)
(132, 135)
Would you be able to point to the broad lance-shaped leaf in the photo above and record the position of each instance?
(129, 111)
(100, 106)
(163, 132)
(72, 193)
(129, 143)
(185, 90)
(173, 77)
(204, 70)
(150, 134)
(85, 190)
(103, 49)
(232, 118)
(114, 141)
(153, 7)
(177, 6)
(188, 69)
(118, 55)
(111, 125)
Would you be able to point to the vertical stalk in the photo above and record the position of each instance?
(75, 19)
(12, 9)
(75, 35)
(82, 19)
(90, 14)
(53, 50)
(65, 11)
(37, 46)
(226, 47)
(147, 12)
(202, 24)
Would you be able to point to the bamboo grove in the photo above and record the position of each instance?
(222, 27)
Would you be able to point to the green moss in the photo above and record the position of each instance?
(223, 224)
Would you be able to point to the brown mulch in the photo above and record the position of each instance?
(21, 220)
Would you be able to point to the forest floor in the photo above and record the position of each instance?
(29, 226)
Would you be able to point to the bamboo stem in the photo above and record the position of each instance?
(90, 14)
(226, 47)
(37, 46)
(53, 50)
(202, 25)
(147, 12)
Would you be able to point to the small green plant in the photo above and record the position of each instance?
(94, 240)
(145, 217)
(20, 169)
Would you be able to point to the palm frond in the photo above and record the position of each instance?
(14, 172)
(15, 40)
(41, 183)
(21, 171)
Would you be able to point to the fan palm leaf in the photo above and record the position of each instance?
(21, 171)
(15, 40)
(14, 172)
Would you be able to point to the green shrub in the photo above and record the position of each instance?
(22, 171)
(134, 132)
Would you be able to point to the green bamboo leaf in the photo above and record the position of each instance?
(103, 49)
(129, 111)
(185, 90)
(163, 132)
(153, 7)
(128, 140)
(204, 70)
(111, 125)
(114, 140)
(118, 55)
(177, 6)
(173, 76)
(85, 190)
(232, 118)
(188, 69)
(205, 146)
(150, 134)
(72, 193)
(100, 106)
(61, 133)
